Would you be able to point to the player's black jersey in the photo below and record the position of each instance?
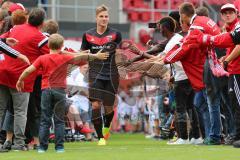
(101, 69)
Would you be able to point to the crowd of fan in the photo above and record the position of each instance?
(145, 106)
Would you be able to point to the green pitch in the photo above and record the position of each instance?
(129, 147)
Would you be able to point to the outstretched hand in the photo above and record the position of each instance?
(11, 41)
(102, 55)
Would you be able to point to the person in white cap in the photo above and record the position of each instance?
(229, 15)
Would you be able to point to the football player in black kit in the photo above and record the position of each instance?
(103, 74)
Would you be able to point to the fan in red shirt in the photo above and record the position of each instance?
(193, 60)
(31, 43)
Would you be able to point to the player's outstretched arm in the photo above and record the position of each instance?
(86, 55)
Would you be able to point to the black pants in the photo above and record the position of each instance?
(34, 110)
(234, 91)
(184, 96)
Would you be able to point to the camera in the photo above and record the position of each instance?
(152, 25)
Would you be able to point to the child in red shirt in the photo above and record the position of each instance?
(54, 71)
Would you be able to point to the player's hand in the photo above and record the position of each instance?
(150, 60)
(24, 58)
(20, 85)
(160, 62)
(102, 55)
(11, 41)
(150, 43)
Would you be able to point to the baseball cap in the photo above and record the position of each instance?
(16, 6)
(228, 6)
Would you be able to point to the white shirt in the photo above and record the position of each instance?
(76, 78)
(179, 73)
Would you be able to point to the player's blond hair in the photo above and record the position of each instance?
(187, 8)
(101, 8)
(55, 42)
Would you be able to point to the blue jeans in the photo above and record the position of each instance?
(213, 96)
(52, 106)
(203, 112)
(169, 121)
(213, 101)
(209, 113)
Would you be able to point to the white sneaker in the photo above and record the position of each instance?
(179, 142)
(196, 141)
(148, 136)
(171, 141)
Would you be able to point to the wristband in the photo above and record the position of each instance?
(225, 65)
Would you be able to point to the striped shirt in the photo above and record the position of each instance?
(4, 48)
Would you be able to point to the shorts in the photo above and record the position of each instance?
(103, 90)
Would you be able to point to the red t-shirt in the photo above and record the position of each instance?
(55, 68)
(32, 43)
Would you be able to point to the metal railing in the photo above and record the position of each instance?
(54, 8)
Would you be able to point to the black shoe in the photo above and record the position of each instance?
(229, 140)
(19, 148)
(7, 145)
(236, 144)
(3, 150)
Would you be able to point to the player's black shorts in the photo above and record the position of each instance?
(103, 90)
